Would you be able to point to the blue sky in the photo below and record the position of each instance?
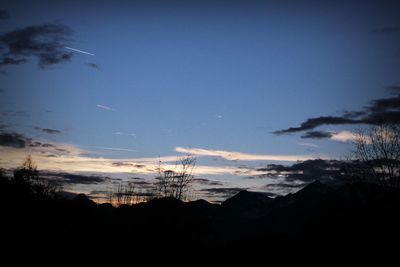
(215, 75)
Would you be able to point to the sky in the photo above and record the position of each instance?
(106, 89)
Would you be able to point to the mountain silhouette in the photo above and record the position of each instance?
(356, 224)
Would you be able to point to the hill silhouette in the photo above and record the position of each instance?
(356, 224)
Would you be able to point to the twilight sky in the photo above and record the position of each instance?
(104, 89)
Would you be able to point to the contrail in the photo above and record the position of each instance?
(77, 50)
(105, 107)
(112, 148)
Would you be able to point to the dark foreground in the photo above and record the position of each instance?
(357, 224)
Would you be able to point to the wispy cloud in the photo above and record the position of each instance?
(128, 134)
(79, 51)
(307, 144)
(343, 136)
(53, 156)
(48, 130)
(112, 148)
(105, 107)
(231, 155)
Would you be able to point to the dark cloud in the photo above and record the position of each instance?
(17, 140)
(317, 135)
(327, 171)
(93, 65)
(383, 110)
(39, 144)
(204, 181)
(98, 192)
(386, 30)
(315, 122)
(382, 117)
(69, 179)
(354, 114)
(51, 131)
(9, 113)
(13, 140)
(140, 183)
(11, 61)
(46, 42)
(284, 185)
(4, 14)
(47, 145)
(221, 191)
(385, 104)
(4, 125)
(394, 89)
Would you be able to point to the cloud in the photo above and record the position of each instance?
(51, 131)
(223, 192)
(11, 61)
(327, 171)
(93, 65)
(46, 42)
(386, 30)
(316, 135)
(285, 185)
(10, 113)
(4, 14)
(105, 107)
(112, 148)
(315, 122)
(230, 155)
(307, 144)
(13, 140)
(73, 178)
(385, 104)
(204, 181)
(69, 158)
(39, 144)
(344, 136)
(394, 89)
(383, 110)
(127, 134)
(4, 125)
(341, 136)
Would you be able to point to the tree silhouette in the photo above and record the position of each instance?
(27, 177)
(376, 157)
(128, 194)
(27, 173)
(175, 183)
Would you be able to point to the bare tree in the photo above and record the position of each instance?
(128, 194)
(376, 156)
(175, 183)
(28, 176)
(28, 172)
